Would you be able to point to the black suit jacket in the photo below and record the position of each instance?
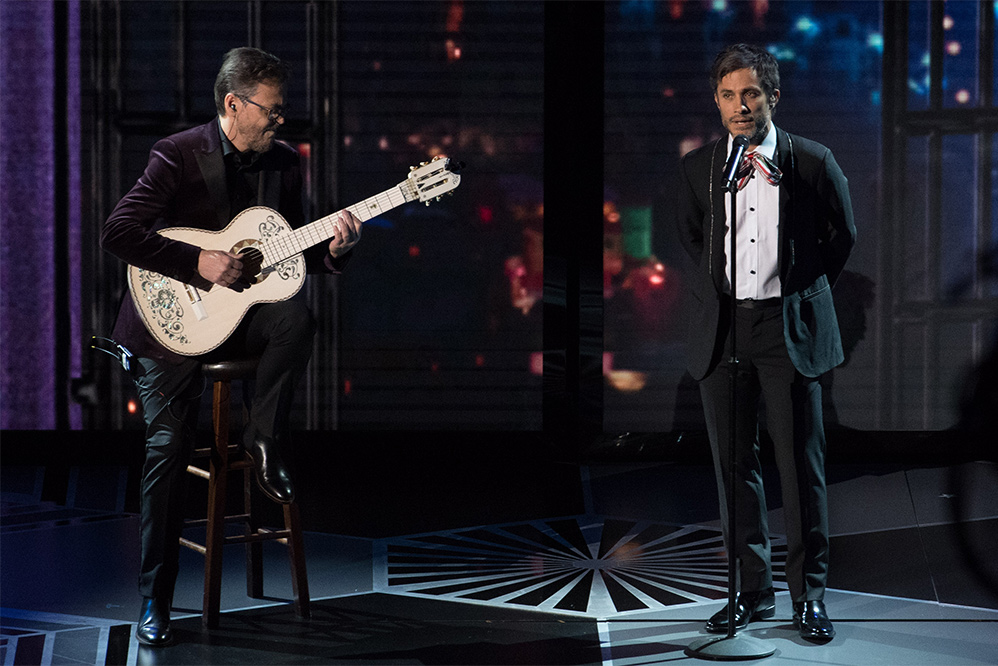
(816, 234)
(184, 184)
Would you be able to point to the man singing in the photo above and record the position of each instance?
(202, 178)
(794, 233)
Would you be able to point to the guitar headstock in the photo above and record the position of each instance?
(431, 180)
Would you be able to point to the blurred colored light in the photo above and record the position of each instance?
(610, 213)
(132, 407)
(953, 48)
(807, 25)
(455, 15)
(537, 363)
(669, 92)
(719, 5)
(875, 41)
(485, 214)
(947, 23)
(413, 250)
(479, 360)
(627, 381)
(347, 386)
(784, 53)
(963, 96)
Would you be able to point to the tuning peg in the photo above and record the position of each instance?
(427, 203)
(435, 158)
(423, 163)
(412, 168)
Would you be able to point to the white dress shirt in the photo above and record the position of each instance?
(757, 239)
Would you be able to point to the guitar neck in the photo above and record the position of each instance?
(278, 248)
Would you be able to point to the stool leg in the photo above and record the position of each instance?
(215, 531)
(296, 552)
(254, 549)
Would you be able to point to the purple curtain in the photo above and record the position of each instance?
(39, 213)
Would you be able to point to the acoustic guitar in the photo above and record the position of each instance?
(195, 318)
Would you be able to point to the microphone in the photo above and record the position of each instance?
(738, 148)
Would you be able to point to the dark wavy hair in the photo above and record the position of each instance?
(746, 56)
(243, 69)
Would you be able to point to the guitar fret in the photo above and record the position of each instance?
(278, 248)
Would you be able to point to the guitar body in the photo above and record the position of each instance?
(193, 319)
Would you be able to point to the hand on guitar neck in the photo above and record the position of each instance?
(346, 233)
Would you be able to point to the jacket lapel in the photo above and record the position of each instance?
(785, 163)
(213, 171)
(720, 207)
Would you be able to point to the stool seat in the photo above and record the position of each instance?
(226, 458)
(229, 370)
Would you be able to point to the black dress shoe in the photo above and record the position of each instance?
(271, 474)
(812, 621)
(749, 606)
(154, 623)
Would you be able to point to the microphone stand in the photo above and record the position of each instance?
(731, 647)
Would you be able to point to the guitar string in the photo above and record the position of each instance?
(277, 249)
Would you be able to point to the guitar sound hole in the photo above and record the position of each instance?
(252, 264)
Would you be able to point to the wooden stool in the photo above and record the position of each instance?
(221, 375)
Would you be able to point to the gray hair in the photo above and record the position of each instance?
(243, 69)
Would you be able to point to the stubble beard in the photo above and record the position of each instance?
(756, 133)
(264, 142)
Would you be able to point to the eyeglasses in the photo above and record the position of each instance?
(273, 113)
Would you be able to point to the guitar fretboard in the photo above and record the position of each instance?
(278, 248)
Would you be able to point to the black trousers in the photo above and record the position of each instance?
(794, 421)
(281, 333)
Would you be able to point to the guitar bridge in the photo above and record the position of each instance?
(196, 305)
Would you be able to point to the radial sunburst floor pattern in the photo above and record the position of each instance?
(577, 565)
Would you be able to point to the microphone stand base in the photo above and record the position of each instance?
(729, 648)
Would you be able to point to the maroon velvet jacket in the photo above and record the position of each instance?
(184, 184)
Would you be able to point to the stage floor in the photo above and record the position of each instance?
(506, 558)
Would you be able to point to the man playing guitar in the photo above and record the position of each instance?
(201, 178)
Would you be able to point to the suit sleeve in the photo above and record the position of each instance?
(129, 232)
(689, 214)
(839, 231)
